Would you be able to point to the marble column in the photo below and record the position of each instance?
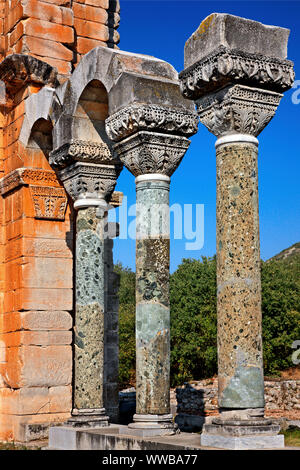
(236, 92)
(89, 327)
(90, 185)
(152, 157)
(152, 302)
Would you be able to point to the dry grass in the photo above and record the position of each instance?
(13, 446)
(291, 437)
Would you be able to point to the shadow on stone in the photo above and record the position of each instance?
(127, 405)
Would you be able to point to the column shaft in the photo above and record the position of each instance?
(89, 311)
(152, 298)
(240, 362)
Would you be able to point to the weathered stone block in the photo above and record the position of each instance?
(47, 320)
(36, 366)
(60, 399)
(38, 272)
(233, 32)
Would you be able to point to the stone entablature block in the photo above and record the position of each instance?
(224, 66)
(17, 70)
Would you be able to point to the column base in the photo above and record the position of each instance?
(88, 418)
(151, 425)
(256, 433)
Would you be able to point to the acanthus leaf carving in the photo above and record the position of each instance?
(49, 203)
(237, 109)
(147, 152)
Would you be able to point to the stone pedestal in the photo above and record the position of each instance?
(242, 434)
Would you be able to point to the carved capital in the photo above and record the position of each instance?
(237, 109)
(147, 152)
(138, 117)
(49, 203)
(224, 66)
(89, 180)
(87, 169)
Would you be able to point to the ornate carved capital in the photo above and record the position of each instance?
(89, 180)
(237, 109)
(49, 203)
(87, 169)
(224, 66)
(48, 197)
(147, 152)
(138, 117)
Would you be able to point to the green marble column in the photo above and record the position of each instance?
(89, 319)
(152, 306)
(240, 362)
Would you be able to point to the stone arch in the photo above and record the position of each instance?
(90, 114)
(40, 137)
(127, 77)
(37, 108)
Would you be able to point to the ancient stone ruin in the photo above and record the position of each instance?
(75, 110)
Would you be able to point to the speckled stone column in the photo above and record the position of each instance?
(152, 157)
(89, 173)
(240, 363)
(152, 303)
(236, 84)
(89, 318)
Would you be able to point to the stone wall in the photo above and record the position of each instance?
(201, 398)
(57, 31)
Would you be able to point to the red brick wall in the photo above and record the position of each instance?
(58, 31)
(36, 252)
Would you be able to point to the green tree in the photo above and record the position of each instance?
(193, 320)
(281, 312)
(126, 326)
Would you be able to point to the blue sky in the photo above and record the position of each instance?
(161, 28)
